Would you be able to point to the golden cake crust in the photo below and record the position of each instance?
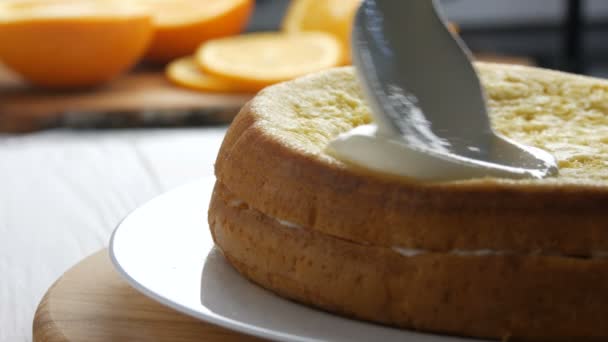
(483, 257)
(314, 190)
(491, 296)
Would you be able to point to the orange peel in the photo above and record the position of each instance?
(254, 61)
(182, 25)
(65, 44)
(185, 73)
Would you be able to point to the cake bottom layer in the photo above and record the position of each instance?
(522, 297)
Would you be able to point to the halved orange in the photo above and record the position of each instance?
(331, 16)
(185, 73)
(182, 25)
(257, 60)
(63, 43)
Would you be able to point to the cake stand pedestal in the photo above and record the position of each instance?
(90, 302)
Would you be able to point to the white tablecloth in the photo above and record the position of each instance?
(63, 192)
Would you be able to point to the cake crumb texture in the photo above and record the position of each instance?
(302, 224)
(564, 114)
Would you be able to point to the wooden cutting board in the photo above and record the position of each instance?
(140, 98)
(90, 302)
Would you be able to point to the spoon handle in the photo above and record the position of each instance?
(418, 77)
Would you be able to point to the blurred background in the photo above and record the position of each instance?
(569, 35)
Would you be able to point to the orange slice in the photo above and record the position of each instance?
(185, 73)
(182, 25)
(63, 43)
(331, 16)
(259, 59)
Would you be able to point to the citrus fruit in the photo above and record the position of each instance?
(331, 16)
(62, 43)
(182, 25)
(256, 60)
(185, 73)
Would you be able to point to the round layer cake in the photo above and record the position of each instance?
(492, 258)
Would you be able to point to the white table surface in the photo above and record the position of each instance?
(62, 193)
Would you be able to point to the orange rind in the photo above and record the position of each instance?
(256, 60)
(185, 73)
(65, 44)
(182, 25)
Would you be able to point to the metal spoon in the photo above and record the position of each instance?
(421, 87)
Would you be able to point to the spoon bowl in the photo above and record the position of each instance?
(422, 87)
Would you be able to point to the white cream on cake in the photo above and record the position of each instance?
(412, 252)
(368, 147)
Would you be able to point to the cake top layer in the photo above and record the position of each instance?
(564, 114)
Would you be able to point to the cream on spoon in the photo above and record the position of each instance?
(429, 109)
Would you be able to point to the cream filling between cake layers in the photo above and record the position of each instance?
(412, 252)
